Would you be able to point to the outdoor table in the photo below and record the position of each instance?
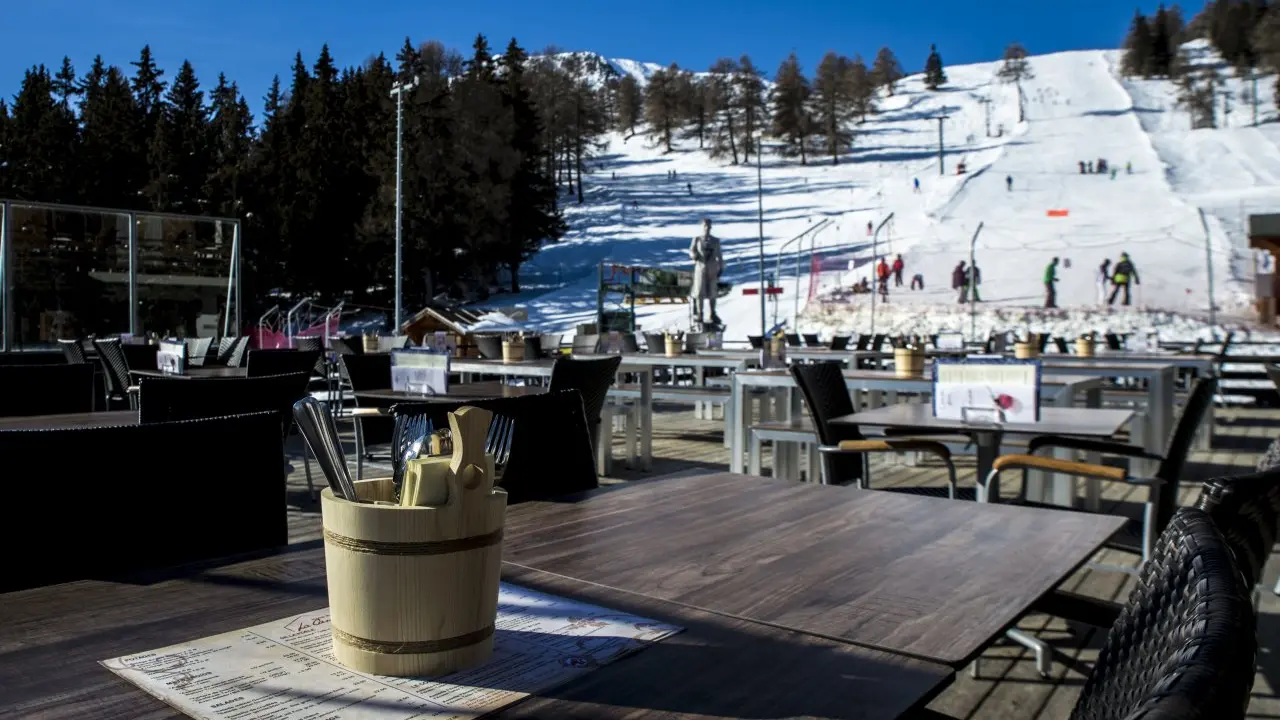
(70, 421)
(700, 362)
(542, 369)
(1088, 422)
(465, 391)
(931, 578)
(53, 637)
(217, 371)
(1061, 390)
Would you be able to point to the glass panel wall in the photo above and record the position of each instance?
(183, 269)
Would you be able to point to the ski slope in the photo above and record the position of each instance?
(1077, 108)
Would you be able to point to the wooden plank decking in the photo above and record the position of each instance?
(1009, 686)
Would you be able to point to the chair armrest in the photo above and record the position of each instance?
(894, 445)
(133, 389)
(1086, 445)
(1080, 608)
(1065, 467)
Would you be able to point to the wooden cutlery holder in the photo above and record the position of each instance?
(512, 351)
(1085, 347)
(908, 362)
(1026, 350)
(413, 591)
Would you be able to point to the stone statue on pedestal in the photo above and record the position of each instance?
(707, 266)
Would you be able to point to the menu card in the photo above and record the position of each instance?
(987, 390)
(171, 357)
(420, 370)
(285, 669)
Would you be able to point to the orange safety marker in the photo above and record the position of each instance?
(1059, 213)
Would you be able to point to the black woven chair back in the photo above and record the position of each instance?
(533, 347)
(143, 357)
(489, 346)
(308, 344)
(114, 365)
(73, 351)
(840, 342)
(591, 378)
(878, 341)
(223, 354)
(825, 394)
(1113, 341)
(1226, 345)
(1179, 446)
(282, 362)
(1043, 340)
(811, 340)
(695, 341)
(1246, 508)
(793, 340)
(1061, 345)
(239, 353)
(551, 431)
(628, 344)
(655, 343)
(1184, 645)
(586, 344)
(45, 389)
(1273, 372)
(346, 345)
(173, 399)
(197, 350)
(368, 372)
(150, 499)
(864, 342)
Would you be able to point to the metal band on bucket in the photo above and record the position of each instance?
(416, 647)
(434, 547)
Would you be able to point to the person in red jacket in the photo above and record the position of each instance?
(882, 272)
(898, 265)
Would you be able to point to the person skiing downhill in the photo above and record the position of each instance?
(1008, 182)
(917, 184)
(960, 281)
(1103, 280)
(1051, 277)
(1124, 274)
(898, 266)
(869, 230)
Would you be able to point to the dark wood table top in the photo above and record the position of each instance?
(53, 638)
(213, 371)
(70, 420)
(457, 391)
(933, 578)
(1088, 422)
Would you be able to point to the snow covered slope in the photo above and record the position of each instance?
(1077, 108)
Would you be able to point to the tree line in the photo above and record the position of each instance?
(490, 144)
(1246, 33)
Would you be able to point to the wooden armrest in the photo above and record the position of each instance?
(1099, 446)
(1067, 467)
(133, 389)
(896, 445)
(359, 412)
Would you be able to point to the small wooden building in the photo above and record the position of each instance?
(456, 321)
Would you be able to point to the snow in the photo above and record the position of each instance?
(1077, 107)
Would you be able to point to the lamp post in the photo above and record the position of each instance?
(760, 218)
(397, 91)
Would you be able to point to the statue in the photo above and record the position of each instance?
(707, 266)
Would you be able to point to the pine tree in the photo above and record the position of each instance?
(1162, 46)
(630, 104)
(720, 105)
(231, 129)
(696, 102)
(148, 96)
(934, 75)
(662, 105)
(886, 71)
(791, 120)
(114, 169)
(862, 89)
(38, 153)
(1138, 46)
(748, 101)
(1197, 92)
(1266, 41)
(4, 150)
(179, 153)
(833, 106)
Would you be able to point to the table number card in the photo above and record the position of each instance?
(949, 341)
(421, 371)
(987, 390)
(171, 357)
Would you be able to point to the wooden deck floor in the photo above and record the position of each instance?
(1009, 686)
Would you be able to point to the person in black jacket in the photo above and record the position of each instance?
(1123, 274)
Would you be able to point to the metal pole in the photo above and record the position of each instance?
(133, 273)
(942, 170)
(6, 279)
(1208, 263)
(398, 91)
(875, 283)
(973, 288)
(760, 218)
(237, 240)
(1253, 77)
(231, 283)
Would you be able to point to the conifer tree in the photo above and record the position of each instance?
(1162, 46)
(862, 89)
(748, 101)
(114, 169)
(1137, 47)
(833, 105)
(4, 149)
(791, 119)
(886, 71)
(662, 105)
(720, 105)
(179, 153)
(630, 104)
(934, 75)
(38, 153)
(231, 129)
(148, 95)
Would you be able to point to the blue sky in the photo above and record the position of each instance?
(252, 40)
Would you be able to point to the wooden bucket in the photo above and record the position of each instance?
(674, 345)
(1026, 350)
(370, 343)
(413, 591)
(1085, 347)
(908, 362)
(512, 351)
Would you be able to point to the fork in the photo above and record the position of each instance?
(501, 431)
(412, 433)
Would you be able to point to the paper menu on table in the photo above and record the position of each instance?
(1011, 387)
(171, 357)
(420, 371)
(285, 669)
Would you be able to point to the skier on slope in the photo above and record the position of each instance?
(960, 281)
(1008, 182)
(917, 281)
(1103, 280)
(1124, 274)
(869, 230)
(1051, 277)
(917, 184)
(882, 274)
(898, 266)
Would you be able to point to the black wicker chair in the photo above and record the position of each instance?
(73, 350)
(592, 379)
(45, 389)
(550, 432)
(845, 451)
(141, 356)
(757, 341)
(153, 513)
(792, 340)
(840, 342)
(1247, 510)
(1183, 647)
(369, 372)
(116, 370)
(811, 340)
